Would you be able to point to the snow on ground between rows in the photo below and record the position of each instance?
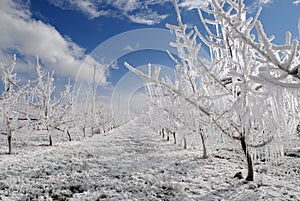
(135, 163)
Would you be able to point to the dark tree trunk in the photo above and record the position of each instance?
(83, 130)
(9, 140)
(69, 135)
(174, 135)
(163, 133)
(50, 140)
(250, 176)
(203, 146)
(9, 136)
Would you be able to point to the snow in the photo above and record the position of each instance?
(134, 163)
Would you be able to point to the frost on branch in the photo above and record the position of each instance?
(11, 103)
(249, 91)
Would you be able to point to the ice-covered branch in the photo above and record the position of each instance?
(200, 108)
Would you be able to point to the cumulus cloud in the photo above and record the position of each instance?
(27, 37)
(297, 2)
(137, 11)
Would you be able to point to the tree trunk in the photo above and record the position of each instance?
(250, 176)
(184, 143)
(50, 140)
(174, 135)
(9, 136)
(203, 146)
(69, 135)
(163, 133)
(83, 129)
(9, 140)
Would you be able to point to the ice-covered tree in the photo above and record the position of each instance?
(50, 113)
(35, 106)
(11, 100)
(170, 117)
(63, 118)
(41, 99)
(7, 100)
(249, 90)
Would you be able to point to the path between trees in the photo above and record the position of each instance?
(132, 163)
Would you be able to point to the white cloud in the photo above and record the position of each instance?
(254, 6)
(88, 7)
(297, 2)
(265, 1)
(147, 18)
(191, 4)
(137, 11)
(126, 5)
(27, 37)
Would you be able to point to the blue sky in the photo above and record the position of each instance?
(63, 33)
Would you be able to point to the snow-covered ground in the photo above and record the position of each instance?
(135, 163)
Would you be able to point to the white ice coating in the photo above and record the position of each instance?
(250, 89)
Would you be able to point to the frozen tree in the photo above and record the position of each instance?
(263, 78)
(63, 118)
(236, 93)
(50, 113)
(85, 109)
(172, 117)
(7, 99)
(35, 106)
(91, 115)
(104, 118)
(41, 98)
(11, 99)
(161, 112)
